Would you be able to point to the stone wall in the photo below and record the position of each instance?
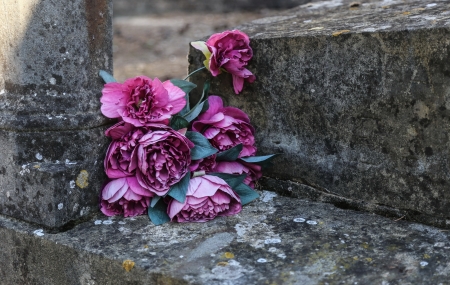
(356, 99)
(138, 7)
(51, 128)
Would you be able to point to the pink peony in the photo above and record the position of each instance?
(119, 160)
(207, 197)
(231, 51)
(164, 156)
(226, 127)
(205, 164)
(253, 171)
(125, 195)
(141, 101)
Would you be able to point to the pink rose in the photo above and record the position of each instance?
(125, 195)
(226, 127)
(253, 171)
(163, 157)
(207, 197)
(231, 51)
(119, 160)
(141, 101)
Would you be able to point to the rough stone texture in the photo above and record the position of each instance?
(274, 240)
(139, 7)
(356, 99)
(51, 128)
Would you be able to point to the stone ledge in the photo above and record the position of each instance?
(356, 100)
(275, 240)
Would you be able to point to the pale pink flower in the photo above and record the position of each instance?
(226, 127)
(125, 196)
(230, 51)
(141, 101)
(163, 156)
(207, 197)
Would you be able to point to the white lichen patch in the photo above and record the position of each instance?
(261, 260)
(232, 271)
(108, 222)
(24, 170)
(267, 196)
(98, 222)
(52, 81)
(423, 263)
(311, 222)
(38, 156)
(272, 240)
(60, 206)
(165, 235)
(39, 232)
(299, 220)
(72, 184)
(2, 91)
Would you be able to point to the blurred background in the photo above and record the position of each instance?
(151, 37)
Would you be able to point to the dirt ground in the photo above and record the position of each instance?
(157, 46)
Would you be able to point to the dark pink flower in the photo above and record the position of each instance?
(163, 156)
(125, 196)
(119, 160)
(226, 127)
(207, 197)
(141, 101)
(206, 164)
(253, 171)
(230, 51)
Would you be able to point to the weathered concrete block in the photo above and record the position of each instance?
(51, 128)
(356, 99)
(274, 240)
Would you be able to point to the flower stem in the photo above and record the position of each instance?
(193, 72)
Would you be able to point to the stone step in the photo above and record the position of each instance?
(356, 98)
(274, 240)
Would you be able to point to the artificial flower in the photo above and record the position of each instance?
(163, 158)
(226, 127)
(119, 160)
(229, 51)
(253, 171)
(124, 196)
(141, 101)
(207, 197)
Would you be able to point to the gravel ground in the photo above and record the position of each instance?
(157, 45)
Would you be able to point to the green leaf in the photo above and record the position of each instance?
(178, 122)
(205, 106)
(263, 161)
(155, 200)
(158, 214)
(231, 154)
(187, 87)
(232, 180)
(106, 76)
(246, 193)
(184, 85)
(194, 112)
(178, 191)
(202, 146)
(206, 87)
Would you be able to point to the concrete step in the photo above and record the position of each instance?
(356, 98)
(274, 240)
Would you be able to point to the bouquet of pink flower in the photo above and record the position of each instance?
(174, 162)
